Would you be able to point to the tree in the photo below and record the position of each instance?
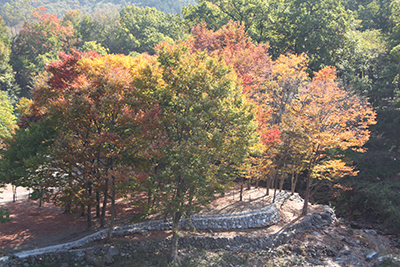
(38, 43)
(7, 79)
(143, 28)
(271, 85)
(328, 120)
(102, 26)
(209, 127)
(288, 74)
(7, 126)
(104, 124)
(317, 28)
(251, 62)
(361, 62)
(373, 14)
(16, 13)
(259, 16)
(24, 161)
(7, 118)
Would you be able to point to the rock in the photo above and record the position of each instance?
(108, 259)
(317, 262)
(371, 256)
(344, 253)
(355, 226)
(343, 261)
(370, 231)
(298, 250)
(92, 259)
(112, 251)
(143, 232)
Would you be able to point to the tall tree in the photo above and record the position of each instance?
(143, 28)
(317, 28)
(373, 14)
(259, 16)
(16, 13)
(7, 118)
(7, 79)
(329, 121)
(101, 25)
(209, 127)
(7, 126)
(104, 124)
(37, 43)
(25, 160)
(361, 64)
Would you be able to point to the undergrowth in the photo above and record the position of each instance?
(374, 195)
(4, 215)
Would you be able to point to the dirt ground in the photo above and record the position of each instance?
(6, 194)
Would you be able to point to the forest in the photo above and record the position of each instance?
(181, 100)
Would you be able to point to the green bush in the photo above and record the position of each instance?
(4, 215)
(373, 195)
(375, 201)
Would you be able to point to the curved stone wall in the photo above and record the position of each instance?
(236, 243)
(252, 219)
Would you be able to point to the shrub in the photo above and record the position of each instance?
(4, 215)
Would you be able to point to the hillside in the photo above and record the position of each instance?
(60, 7)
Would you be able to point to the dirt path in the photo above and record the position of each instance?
(6, 195)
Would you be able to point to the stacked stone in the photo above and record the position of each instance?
(264, 217)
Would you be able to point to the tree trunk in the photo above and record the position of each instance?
(281, 184)
(275, 186)
(173, 253)
(97, 204)
(103, 209)
(248, 184)
(268, 182)
(89, 207)
(241, 189)
(14, 192)
(110, 229)
(294, 181)
(68, 205)
(307, 196)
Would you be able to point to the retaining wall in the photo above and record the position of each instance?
(253, 219)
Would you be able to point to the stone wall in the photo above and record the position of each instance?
(101, 255)
(254, 219)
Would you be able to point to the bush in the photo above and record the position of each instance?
(373, 196)
(377, 201)
(4, 215)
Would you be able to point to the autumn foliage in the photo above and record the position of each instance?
(180, 125)
(304, 125)
(105, 127)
